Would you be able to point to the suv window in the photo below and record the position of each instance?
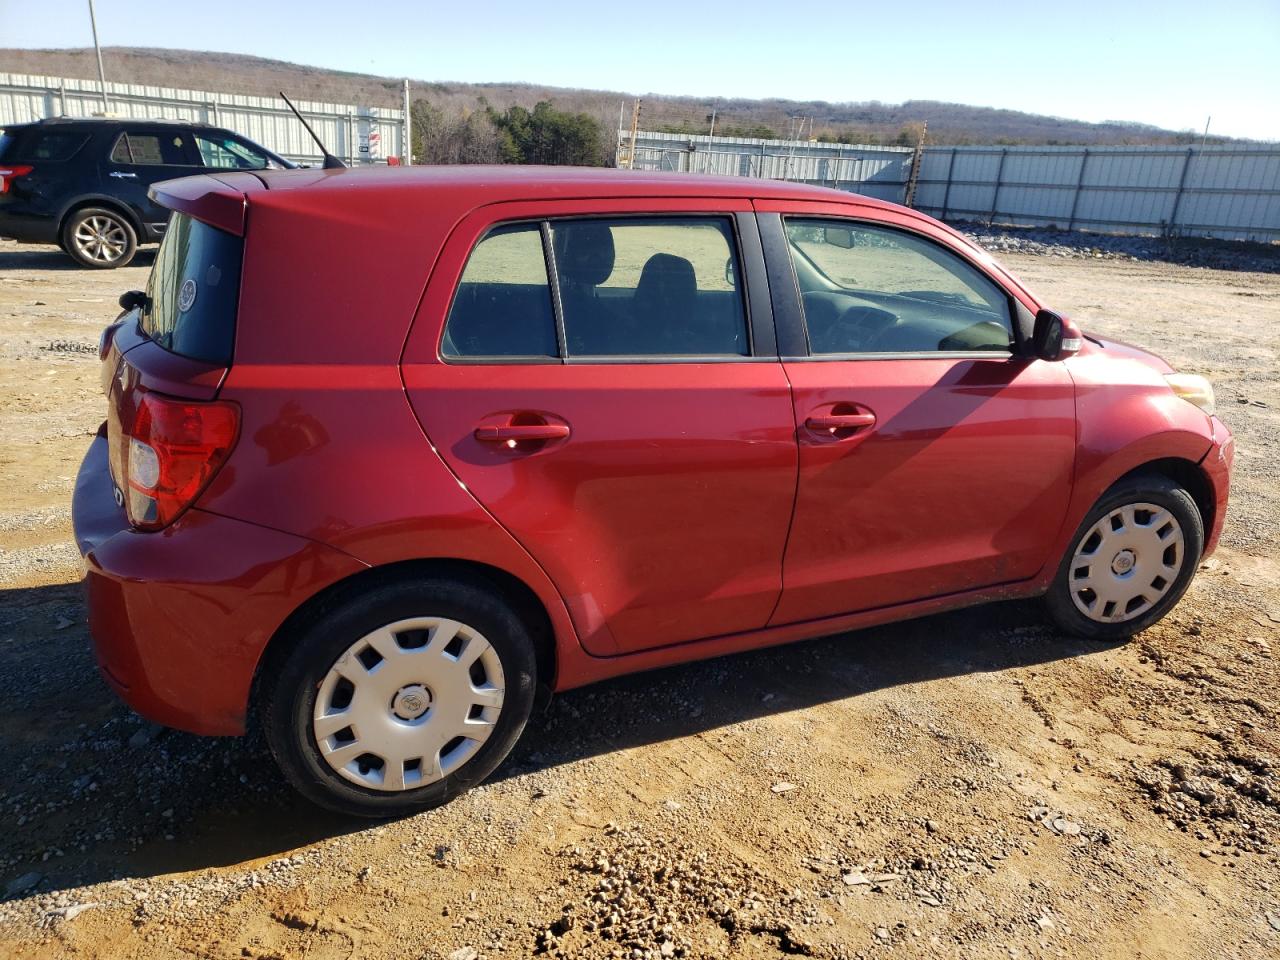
(503, 304)
(223, 152)
(193, 291)
(870, 289)
(661, 286)
(35, 145)
(150, 148)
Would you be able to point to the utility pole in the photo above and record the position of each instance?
(102, 75)
(635, 132)
(916, 158)
(407, 159)
(712, 134)
(1205, 139)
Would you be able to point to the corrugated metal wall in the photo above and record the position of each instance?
(872, 171)
(1230, 191)
(356, 134)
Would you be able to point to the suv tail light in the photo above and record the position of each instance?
(10, 172)
(174, 448)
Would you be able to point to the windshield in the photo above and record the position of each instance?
(193, 291)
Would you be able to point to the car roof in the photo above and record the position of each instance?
(529, 182)
(107, 121)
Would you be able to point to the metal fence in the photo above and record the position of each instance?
(356, 134)
(1230, 191)
(869, 170)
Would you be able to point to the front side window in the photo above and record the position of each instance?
(227, 154)
(870, 289)
(503, 304)
(649, 287)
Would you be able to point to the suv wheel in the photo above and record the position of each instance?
(401, 698)
(1130, 562)
(99, 237)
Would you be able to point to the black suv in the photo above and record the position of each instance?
(82, 184)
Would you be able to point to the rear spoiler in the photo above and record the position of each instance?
(218, 201)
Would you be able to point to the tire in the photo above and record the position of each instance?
(1149, 559)
(99, 237)
(303, 711)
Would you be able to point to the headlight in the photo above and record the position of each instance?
(1192, 388)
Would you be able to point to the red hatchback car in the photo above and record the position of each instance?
(388, 449)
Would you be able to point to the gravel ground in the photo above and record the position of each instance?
(968, 785)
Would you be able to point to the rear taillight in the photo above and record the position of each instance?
(173, 450)
(11, 172)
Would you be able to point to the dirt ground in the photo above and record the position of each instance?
(969, 785)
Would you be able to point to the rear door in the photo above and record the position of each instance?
(141, 156)
(934, 457)
(627, 421)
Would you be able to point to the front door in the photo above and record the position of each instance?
(934, 458)
(623, 423)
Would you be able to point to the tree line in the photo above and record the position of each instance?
(543, 135)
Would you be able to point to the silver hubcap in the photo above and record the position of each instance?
(1126, 562)
(409, 703)
(101, 239)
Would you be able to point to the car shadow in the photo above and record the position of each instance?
(98, 795)
(28, 257)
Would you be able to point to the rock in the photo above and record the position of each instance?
(145, 735)
(882, 934)
(464, 953)
(931, 826)
(22, 884)
(855, 878)
(1274, 920)
(783, 787)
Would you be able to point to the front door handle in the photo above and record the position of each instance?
(515, 432)
(832, 422)
(125, 176)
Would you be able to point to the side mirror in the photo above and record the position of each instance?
(1054, 337)
(838, 237)
(730, 272)
(133, 300)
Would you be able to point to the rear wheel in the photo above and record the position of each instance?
(99, 237)
(402, 698)
(1131, 560)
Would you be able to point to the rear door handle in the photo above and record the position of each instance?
(840, 421)
(125, 176)
(501, 433)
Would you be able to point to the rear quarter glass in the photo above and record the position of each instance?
(38, 145)
(194, 291)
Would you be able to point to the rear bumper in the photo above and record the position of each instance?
(28, 228)
(180, 618)
(1217, 466)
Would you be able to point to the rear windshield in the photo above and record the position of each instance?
(39, 145)
(193, 291)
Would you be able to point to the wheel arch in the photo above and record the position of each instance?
(1187, 474)
(112, 203)
(522, 598)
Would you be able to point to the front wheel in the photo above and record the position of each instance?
(402, 698)
(1131, 560)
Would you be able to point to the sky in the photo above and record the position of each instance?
(1172, 63)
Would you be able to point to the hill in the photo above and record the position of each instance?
(869, 122)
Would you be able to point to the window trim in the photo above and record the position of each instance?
(784, 281)
(751, 311)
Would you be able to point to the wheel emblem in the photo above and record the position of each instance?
(1123, 562)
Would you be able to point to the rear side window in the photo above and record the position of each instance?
(35, 146)
(503, 304)
(151, 148)
(649, 287)
(194, 290)
(633, 287)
